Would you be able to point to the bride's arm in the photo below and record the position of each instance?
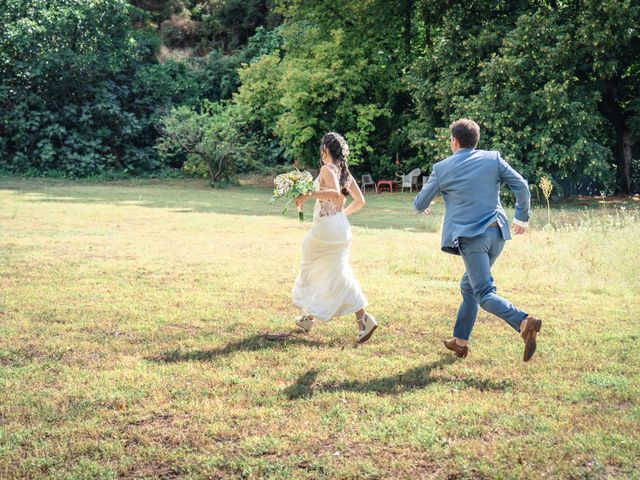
(357, 201)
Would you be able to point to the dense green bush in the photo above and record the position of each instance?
(70, 92)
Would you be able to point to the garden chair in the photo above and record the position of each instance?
(410, 180)
(367, 180)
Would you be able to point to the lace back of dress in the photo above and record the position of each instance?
(326, 208)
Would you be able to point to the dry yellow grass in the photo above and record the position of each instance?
(145, 332)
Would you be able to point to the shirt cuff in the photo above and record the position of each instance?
(520, 223)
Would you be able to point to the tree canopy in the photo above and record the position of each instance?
(94, 86)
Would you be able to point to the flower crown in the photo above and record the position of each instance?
(343, 145)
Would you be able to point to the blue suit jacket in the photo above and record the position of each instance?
(469, 181)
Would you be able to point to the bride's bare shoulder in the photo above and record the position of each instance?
(329, 169)
(329, 166)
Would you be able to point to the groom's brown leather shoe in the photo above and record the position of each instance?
(459, 350)
(529, 334)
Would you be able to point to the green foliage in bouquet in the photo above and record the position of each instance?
(289, 186)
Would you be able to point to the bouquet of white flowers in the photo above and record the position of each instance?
(290, 185)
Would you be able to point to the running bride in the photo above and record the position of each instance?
(325, 286)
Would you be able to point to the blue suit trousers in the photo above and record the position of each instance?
(477, 286)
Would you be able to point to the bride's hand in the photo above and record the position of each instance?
(300, 199)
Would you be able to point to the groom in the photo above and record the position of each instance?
(476, 228)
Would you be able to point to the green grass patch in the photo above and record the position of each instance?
(146, 332)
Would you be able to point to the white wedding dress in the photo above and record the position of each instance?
(325, 286)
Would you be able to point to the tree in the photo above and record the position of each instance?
(553, 84)
(210, 138)
(607, 41)
(340, 70)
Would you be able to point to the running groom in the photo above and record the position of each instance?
(476, 228)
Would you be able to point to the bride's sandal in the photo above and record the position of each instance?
(305, 322)
(366, 326)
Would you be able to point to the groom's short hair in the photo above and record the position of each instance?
(466, 131)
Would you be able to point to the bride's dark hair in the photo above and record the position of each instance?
(335, 143)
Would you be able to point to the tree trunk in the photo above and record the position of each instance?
(215, 176)
(626, 161)
(612, 111)
(622, 155)
(212, 178)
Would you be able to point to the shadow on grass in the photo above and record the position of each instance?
(252, 343)
(412, 379)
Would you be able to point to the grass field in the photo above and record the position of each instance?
(146, 332)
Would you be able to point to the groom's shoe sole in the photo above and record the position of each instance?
(459, 350)
(529, 336)
(368, 335)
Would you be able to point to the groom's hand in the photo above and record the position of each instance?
(519, 230)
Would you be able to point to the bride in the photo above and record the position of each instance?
(325, 286)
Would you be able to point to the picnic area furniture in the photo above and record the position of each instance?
(367, 181)
(389, 183)
(410, 180)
